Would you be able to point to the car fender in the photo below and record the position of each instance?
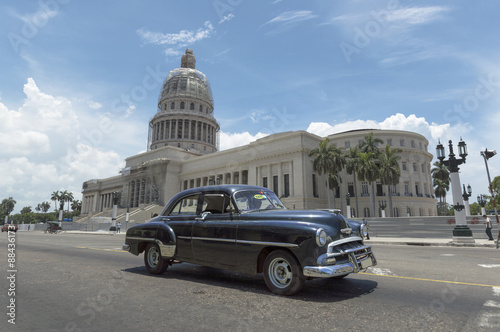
(166, 240)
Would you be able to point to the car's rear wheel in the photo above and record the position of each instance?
(282, 273)
(153, 261)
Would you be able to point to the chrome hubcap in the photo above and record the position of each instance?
(153, 257)
(280, 272)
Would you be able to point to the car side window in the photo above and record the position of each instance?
(186, 206)
(217, 203)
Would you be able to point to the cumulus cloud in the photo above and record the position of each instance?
(45, 146)
(233, 140)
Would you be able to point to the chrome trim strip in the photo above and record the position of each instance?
(279, 244)
(150, 239)
(345, 240)
(213, 239)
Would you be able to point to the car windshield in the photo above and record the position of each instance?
(255, 200)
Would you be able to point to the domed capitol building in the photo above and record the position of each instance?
(183, 152)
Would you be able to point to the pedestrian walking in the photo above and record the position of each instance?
(367, 228)
(489, 226)
(118, 227)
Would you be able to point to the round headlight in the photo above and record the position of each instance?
(320, 237)
(363, 231)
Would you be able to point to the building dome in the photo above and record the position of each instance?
(184, 117)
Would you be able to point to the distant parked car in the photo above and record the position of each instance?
(248, 229)
(9, 227)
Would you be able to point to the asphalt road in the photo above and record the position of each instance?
(74, 282)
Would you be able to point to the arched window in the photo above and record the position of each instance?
(172, 106)
(182, 105)
(191, 107)
(366, 212)
(165, 106)
(201, 108)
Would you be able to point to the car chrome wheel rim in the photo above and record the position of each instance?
(280, 272)
(153, 257)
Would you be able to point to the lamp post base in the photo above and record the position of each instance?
(462, 234)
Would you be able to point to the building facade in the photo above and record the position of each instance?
(183, 153)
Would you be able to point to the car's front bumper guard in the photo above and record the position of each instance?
(353, 266)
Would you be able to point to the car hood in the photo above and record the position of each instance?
(304, 216)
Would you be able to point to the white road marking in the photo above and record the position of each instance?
(448, 255)
(379, 271)
(489, 266)
(492, 304)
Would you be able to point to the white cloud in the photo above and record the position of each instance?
(292, 16)
(94, 105)
(45, 146)
(417, 15)
(227, 18)
(288, 19)
(181, 38)
(230, 140)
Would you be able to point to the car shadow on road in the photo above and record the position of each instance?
(317, 290)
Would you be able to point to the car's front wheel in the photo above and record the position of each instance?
(282, 273)
(153, 261)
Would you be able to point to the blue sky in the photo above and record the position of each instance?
(80, 80)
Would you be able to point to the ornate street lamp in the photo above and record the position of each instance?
(466, 195)
(481, 200)
(487, 154)
(382, 205)
(348, 204)
(461, 232)
(116, 197)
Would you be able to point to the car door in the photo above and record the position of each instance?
(214, 232)
(181, 219)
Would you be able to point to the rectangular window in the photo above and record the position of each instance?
(275, 184)
(347, 145)
(403, 165)
(286, 183)
(264, 182)
(315, 186)
(402, 142)
(350, 189)
(364, 189)
(389, 141)
(414, 167)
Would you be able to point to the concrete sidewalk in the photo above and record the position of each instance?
(429, 242)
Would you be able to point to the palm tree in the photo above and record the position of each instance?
(389, 169)
(338, 164)
(69, 198)
(352, 167)
(55, 197)
(322, 162)
(76, 205)
(38, 207)
(8, 205)
(440, 189)
(45, 206)
(370, 144)
(441, 182)
(368, 171)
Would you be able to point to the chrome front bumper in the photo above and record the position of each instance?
(359, 257)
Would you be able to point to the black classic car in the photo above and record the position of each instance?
(248, 229)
